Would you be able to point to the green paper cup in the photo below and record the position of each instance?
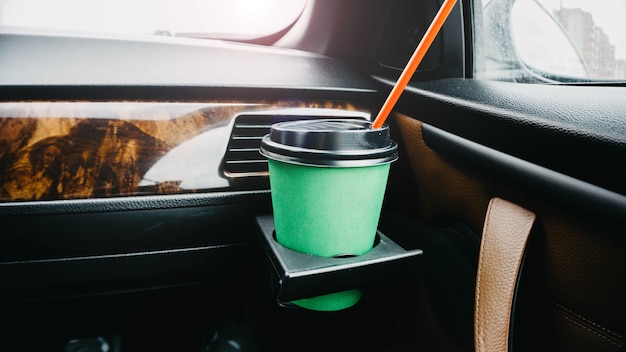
(328, 180)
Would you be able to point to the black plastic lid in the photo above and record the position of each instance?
(330, 143)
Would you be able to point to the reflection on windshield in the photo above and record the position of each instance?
(551, 41)
(229, 19)
(541, 43)
(596, 30)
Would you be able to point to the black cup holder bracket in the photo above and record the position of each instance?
(300, 275)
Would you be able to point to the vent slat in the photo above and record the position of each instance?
(247, 137)
(242, 154)
(244, 144)
(238, 155)
(259, 126)
(246, 161)
(241, 150)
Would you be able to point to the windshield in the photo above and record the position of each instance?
(243, 20)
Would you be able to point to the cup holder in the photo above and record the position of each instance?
(337, 256)
(300, 275)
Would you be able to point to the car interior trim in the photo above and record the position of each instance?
(131, 203)
(565, 128)
(74, 150)
(590, 201)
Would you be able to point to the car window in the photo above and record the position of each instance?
(551, 41)
(241, 20)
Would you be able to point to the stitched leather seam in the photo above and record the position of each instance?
(567, 312)
(480, 264)
(590, 330)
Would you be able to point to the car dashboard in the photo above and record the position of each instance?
(132, 165)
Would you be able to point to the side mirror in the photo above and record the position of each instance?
(542, 44)
(521, 41)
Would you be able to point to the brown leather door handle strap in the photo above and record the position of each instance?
(504, 238)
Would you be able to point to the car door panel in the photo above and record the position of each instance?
(566, 128)
(571, 247)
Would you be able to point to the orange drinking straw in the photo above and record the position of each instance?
(415, 60)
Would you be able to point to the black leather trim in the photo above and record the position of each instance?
(579, 131)
(562, 191)
(78, 206)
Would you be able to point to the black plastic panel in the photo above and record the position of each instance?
(409, 22)
(109, 233)
(575, 130)
(93, 246)
(301, 275)
(581, 198)
(130, 271)
(116, 204)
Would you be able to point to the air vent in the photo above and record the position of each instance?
(242, 155)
